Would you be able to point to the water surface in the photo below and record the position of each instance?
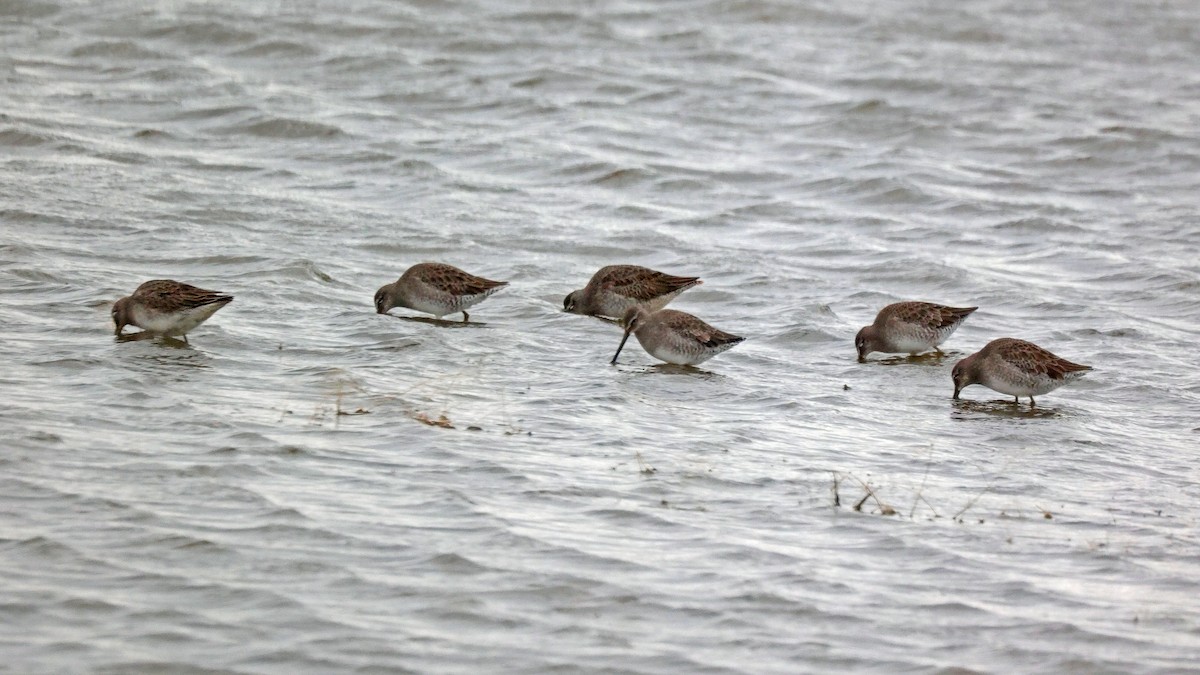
(273, 498)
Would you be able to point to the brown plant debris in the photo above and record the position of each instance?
(440, 421)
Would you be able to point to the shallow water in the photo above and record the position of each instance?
(273, 497)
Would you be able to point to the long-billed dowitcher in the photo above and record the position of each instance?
(614, 289)
(437, 289)
(166, 307)
(674, 337)
(1017, 368)
(910, 327)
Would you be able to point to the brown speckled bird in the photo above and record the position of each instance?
(675, 337)
(910, 327)
(613, 290)
(1017, 368)
(166, 307)
(437, 289)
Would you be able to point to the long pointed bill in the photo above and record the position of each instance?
(619, 348)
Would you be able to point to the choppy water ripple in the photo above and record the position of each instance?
(311, 487)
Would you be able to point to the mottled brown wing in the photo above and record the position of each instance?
(949, 316)
(642, 284)
(455, 281)
(707, 335)
(1060, 367)
(1033, 359)
(167, 295)
(929, 314)
(158, 287)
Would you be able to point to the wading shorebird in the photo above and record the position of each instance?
(674, 337)
(910, 327)
(614, 289)
(1017, 368)
(437, 289)
(166, 307)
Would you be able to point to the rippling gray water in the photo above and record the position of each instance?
(180, 509)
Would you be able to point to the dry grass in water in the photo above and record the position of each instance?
(871, 495)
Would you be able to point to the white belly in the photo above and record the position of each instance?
(911, 345)
(1034, 386)
(442, 304)
(174, 323)
(680, 358)
(438, 309)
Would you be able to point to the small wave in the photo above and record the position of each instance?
(621, 178)
(282, 127)
(329, 28)
(23, 216)
(46, 548)
(183, 542)
(170, 73)
(789, 13)
(369, 157)
(801, 335)
(217, 167)
(208, 113)
(1149, 134)
(22, 139)
(890, 191)
(203, 33)
(359, 65)
(276, 49)
(295, 269)
(588, 169)
(45, 437)
(86, 605)
(124, 157)
(453, 562)
(893, 84)
(27, 9)
(1037, 224)
(122, 49)
(39, 275)
(539, 17)
(868, 106)
(684, 185)
(152, 134)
